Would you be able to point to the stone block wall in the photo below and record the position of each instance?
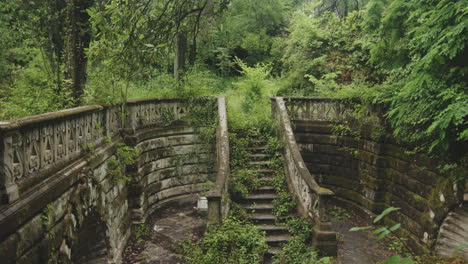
(45, 223)
(174, 164)
(59, 203)
(367, 169)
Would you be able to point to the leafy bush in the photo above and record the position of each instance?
(232, 242)
(249, 102)
(298, 249)
(243, 181)
(33, 92)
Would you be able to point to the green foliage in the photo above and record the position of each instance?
(323, 53)
(141, 231)
(425, 44)
(398, 260)
(247, 29)
(298, 249)
(339, 213)
(274, 146)
(231, 242)
(395, 242)
(249, 102)
(47, 216)
(285, 205)
(124, 156)
(32, 92)
(243, 181)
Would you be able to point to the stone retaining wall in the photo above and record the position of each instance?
(55, 180)
(366, 168)
(174, 164)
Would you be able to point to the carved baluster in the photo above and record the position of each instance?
(33, 151)
(80, 133)
(12, 165)
(88, 128)
(47, 145)
(60, 137)
(72, 141)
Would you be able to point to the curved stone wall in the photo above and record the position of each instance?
(55, 176)
(367, 169)
(174, 164)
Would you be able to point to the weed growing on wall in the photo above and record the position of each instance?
(47, 219)
(124, 156)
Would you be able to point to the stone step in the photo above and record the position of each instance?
(271, 252)
(267, 172)
(265, 179)
(257, 142)
(277, 240)
(274, 251)
(259, 208)
(265, 189)
(261, 197)
(455, 224)
(260, 157)
(257, 149)
(453, 233)
(274, 229)
(263, 219)
(263, 164)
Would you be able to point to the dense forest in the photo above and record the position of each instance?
(409, 55)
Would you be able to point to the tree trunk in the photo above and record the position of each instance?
(180, 53)
(78, 39)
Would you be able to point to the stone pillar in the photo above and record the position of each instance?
(214, 208)
(11, 166)
(323, 237)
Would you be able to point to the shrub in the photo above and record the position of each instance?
(232, 242)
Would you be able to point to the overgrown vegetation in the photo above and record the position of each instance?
(124, 156)
(407, 55)
(233, 241)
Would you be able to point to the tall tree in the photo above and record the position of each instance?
(78, 37)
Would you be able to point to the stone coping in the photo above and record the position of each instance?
(35, 119)
(222, 149)
(290, 143)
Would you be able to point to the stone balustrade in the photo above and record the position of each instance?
(34, 147)
(313, 199)
(350, 149)
(55, 175)
(218, 197)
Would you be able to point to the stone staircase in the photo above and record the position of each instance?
(454, 231)
(259, 204)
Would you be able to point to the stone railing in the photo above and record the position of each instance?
(330, 109)
(349, 148)
(312, 198)
(149, 112)
(34, 147)
(218, 197)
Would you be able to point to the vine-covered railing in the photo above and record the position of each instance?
(218, 197)
(34, 147)
(312, 198)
